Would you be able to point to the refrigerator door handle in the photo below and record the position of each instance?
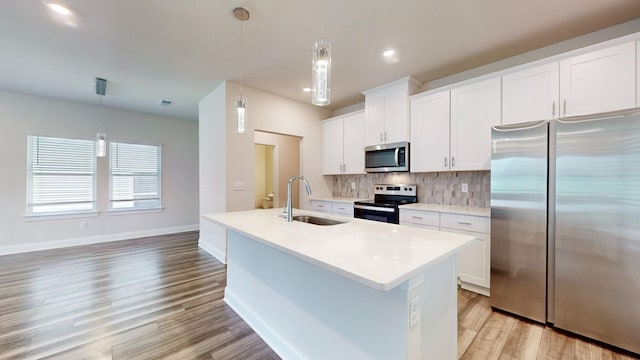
(521, 126)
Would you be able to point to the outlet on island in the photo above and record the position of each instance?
(465, 187)
(353, 185)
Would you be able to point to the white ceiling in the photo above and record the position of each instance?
(180, 50)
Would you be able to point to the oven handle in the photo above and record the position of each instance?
(374, 208)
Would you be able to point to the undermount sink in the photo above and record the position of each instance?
(316, 220)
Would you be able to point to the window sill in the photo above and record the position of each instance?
(134, 211)
(59, 216)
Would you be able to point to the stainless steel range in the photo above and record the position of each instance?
(384, 206)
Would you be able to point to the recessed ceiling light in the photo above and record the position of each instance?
(306, 89)
(58, 8)
(388, 53)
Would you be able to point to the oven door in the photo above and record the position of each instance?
(377, 213)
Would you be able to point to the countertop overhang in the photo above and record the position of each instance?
(378, 255)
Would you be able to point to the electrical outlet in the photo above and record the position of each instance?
(414, 311)
(83, 225)
(239, 186)
(465, 187)
(353, 185)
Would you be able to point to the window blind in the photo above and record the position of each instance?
(135, 176)
(60, 175)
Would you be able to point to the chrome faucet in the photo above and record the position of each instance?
(287, 210)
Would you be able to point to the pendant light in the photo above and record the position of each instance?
(321, 70)
(242, 15)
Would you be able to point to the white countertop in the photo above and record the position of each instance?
(379, 255)
(450, 209)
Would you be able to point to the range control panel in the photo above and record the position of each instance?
(391, 189)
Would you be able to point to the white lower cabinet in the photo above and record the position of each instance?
(473, 262)
(423, 219)
(321, 205)
(340, 208)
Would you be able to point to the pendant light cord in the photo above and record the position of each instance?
(241, 57)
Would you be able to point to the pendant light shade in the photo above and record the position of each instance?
(241, 114)
(101, 145)
(321, 74)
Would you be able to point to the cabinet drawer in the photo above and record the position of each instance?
(430, 218)
(320, 205)
(465, 222)
(430, 227)
(342, 208)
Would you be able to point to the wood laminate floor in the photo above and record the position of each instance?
(161, 298)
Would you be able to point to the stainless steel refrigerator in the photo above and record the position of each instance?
(565, 224)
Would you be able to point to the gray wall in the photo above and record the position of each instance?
(22, 115)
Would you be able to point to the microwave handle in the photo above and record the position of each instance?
(397, 152)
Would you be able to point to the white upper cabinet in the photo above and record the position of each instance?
(353, 143)
(474, 109)
(332, 145)
(600, 81)
(343, 144)
(387, 111)
(531, 94)
(430, 132)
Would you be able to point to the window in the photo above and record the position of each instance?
(60, 175)
(135, 176)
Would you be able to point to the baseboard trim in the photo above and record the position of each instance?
(57, 244)
(213, 251)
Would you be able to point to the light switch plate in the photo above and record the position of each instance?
(465, 187)
(239, 186)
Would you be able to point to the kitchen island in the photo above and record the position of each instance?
(357, 290)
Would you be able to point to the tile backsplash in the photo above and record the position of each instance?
(433, 188)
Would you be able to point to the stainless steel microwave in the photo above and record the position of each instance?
(387, 157)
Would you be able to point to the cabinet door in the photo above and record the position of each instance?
(332, 135)
(474, 109)
(430, 132)
(600, 81)
(396, 118)
(531, 94)
(374, 121)
(473, 261)
(353, 143)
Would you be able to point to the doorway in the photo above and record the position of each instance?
(264, 176)
(277, 159)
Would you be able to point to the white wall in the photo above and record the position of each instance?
(22, 115)
(213, 163)
(272, 113)
(265, 112)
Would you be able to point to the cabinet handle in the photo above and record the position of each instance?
(445, 162)
(553, 109)
(380, 137)
(417, 217)
(320, 205)
(453, 162)
(464, 223)
(564, 105)
(341, 208)
(385, 136)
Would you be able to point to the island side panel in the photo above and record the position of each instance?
(305, 312)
